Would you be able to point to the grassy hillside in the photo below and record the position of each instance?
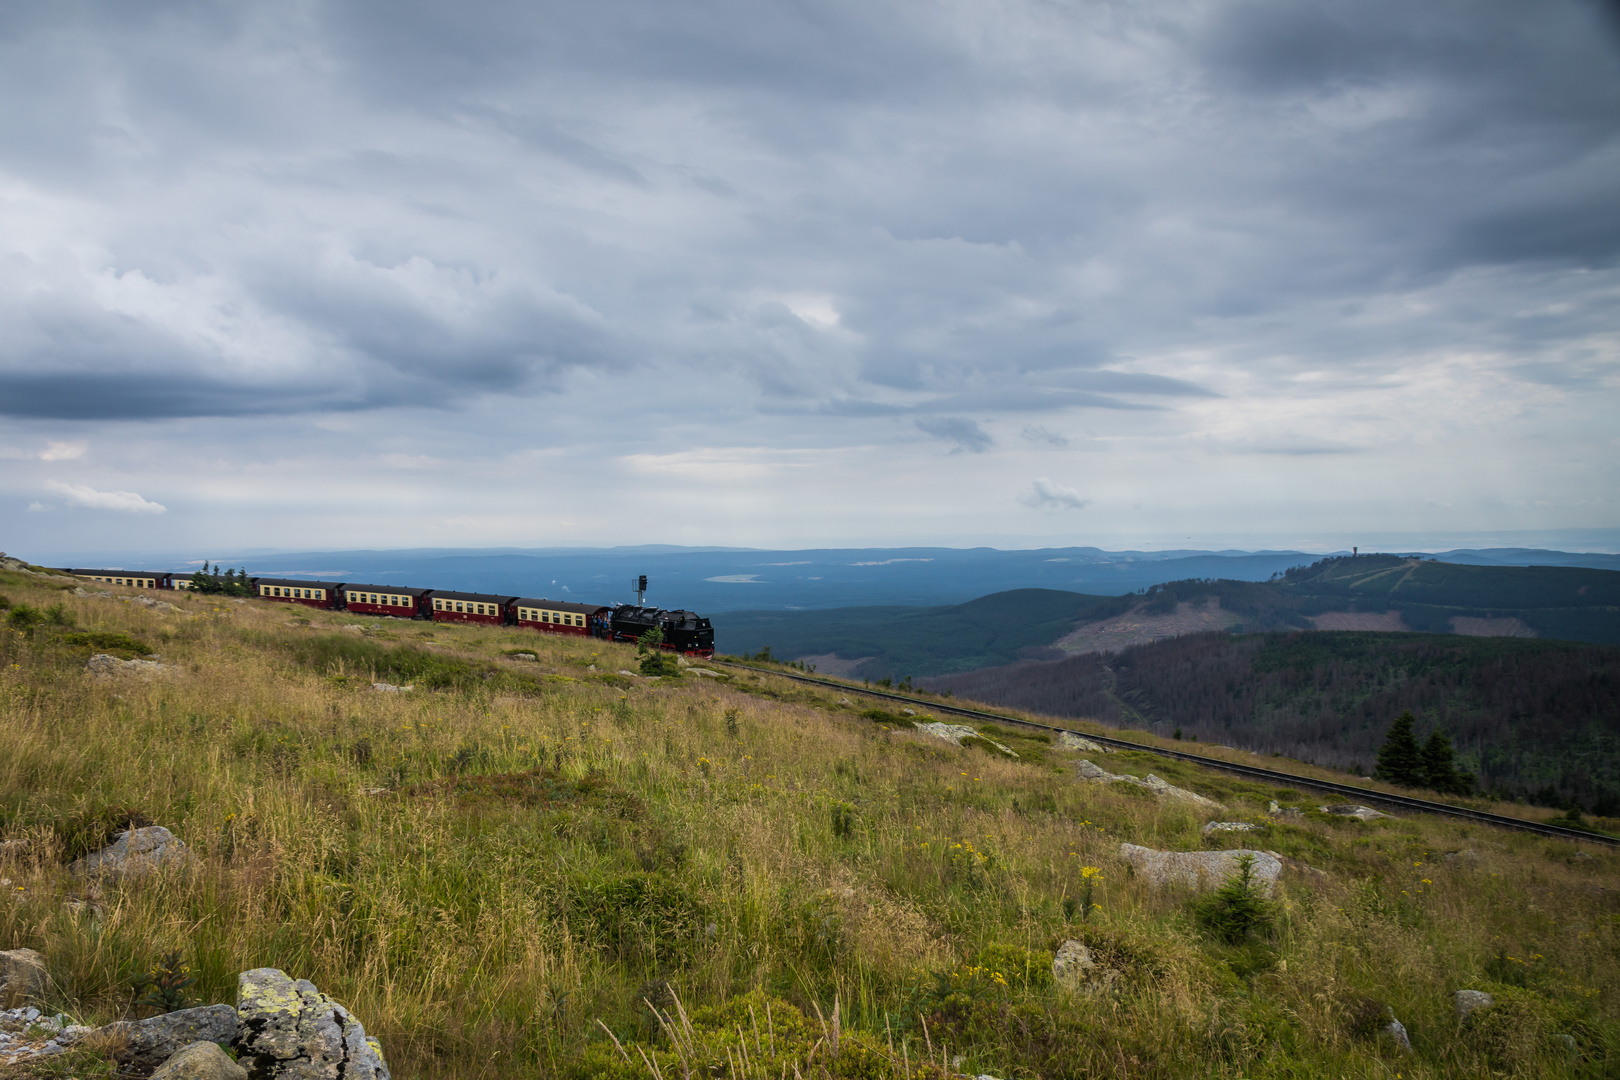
(504, 869)
(1537, 719)
(900, 642)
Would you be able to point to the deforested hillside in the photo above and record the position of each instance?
(510, 855)
(1537, 719)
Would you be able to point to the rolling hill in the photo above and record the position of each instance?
(1532, 719)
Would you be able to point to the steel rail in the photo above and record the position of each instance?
(1254, 772)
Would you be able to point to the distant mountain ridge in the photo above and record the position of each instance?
(1371, 592)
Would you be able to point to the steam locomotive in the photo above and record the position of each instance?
(683, 631)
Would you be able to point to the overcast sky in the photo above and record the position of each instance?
(321, 274)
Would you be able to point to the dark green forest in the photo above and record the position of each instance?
(1531, 719)
(906, 641)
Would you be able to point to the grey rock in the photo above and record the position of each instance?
(292, 1031)
(1071, 741)
(390, 688)
(1466, 855)
(135, 853)
(1468, 1000)
(102, 666)
(1228, 826)
(200, 1061)
(1360, 813)
(1199, 869)
(1075, 969)
(149, 1043)
(1276, 809)
(1086, 769)
(1072, 965)
(1395, 1031)
(524, 656)
(951, 733)
(1567, 1042)
(22, 977)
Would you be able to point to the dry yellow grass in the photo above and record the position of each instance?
(722, 836)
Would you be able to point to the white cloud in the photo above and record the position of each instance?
(63, 451)
(37, 507)
(88, 497)
(1043, 494)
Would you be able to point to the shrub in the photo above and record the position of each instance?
(1236, 911)
(107, 642)
(165, 985)
(24, 616)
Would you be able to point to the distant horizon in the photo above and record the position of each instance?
(1565, 542)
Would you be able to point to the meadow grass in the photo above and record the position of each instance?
(500, 868)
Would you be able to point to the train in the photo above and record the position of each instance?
(683, 631)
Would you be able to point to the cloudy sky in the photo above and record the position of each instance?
(317, 274)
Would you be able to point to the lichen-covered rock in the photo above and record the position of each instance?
(1468, 1000)
(200, 1061)
(1228, 826)
(136, 852)
(292, 1031)
(1395, 1031)
(1199, 869)
(148, 1043)
(22, 977)
(1070, 741)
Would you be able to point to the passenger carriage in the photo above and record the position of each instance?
(320, 594)
(561, 617)
(395, 600)
(130, 579)
(469, 607)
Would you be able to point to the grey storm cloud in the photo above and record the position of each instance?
(866, 211)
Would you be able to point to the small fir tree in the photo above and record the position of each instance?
(1440, 764)
(1400, 760)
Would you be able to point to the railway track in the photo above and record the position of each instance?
(1252, 772)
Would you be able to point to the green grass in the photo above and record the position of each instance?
(501, 868)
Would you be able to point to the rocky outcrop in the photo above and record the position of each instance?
(1071, 741)
(1086, 769)
(135, 853)
(1360, 813)
(1199, 870)
(1466, 1001)
(1395, 1032)
(292, 1031)
(22, 977)
(27, 1035)
(103, 666)
(148, 1043)
(200, 1061)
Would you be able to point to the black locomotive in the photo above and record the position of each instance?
(684, 631)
